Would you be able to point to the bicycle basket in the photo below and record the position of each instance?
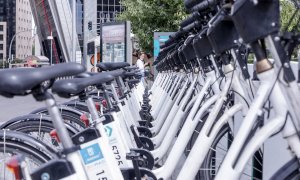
(223, 35)
(188, 50)
(256, 21)
(202, 46)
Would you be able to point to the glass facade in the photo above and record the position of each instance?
(8, 15)
(107, 11)
(47, 26)
(79, 21)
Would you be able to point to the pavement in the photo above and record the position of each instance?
(13, 107)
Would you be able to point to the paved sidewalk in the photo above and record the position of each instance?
(12, 107)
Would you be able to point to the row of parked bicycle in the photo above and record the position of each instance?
(185, 126)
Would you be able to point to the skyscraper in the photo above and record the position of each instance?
(54, 28)
(15, 20)
(55, 17)
(107, 11)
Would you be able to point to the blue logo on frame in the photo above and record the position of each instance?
(108, 130)
(91, 153)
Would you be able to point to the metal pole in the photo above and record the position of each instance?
(73, 31)
(11, 42)
(51, 59)
(10, 46)
(95, 58)
(85, 32)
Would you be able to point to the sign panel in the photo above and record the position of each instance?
(159, 39)
(114, 42)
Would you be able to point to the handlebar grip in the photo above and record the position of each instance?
(190, 19)
(173, 38)
(191, 3)
(191, 26)
(167, 43)
(203, 5)
(168, 48)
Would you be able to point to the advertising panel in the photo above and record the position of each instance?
(114, 42)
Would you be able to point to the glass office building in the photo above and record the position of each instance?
(53, 17)
(15, 19)
(79, 22)
(107, 11)
(7, 15)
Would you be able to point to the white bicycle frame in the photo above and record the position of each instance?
(241, 150)
(112, 164)
(210, 129)
(75, 157)
(173, 117)
(170, 105)
(186, 132)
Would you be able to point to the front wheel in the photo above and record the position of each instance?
(217, 153)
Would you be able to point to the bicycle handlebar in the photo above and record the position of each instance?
(191, 26)
(191, 3)
(201, 6)
(190, 19)
(190, 22)
(175, 36)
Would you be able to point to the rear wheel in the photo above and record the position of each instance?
(70, 118)
(15, 143)
(290, 171)
(39, 130)
(217, 153)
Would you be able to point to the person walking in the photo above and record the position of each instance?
(140, 63)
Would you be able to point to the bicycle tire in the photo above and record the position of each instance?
(70, 117)
(37, 128)
(77, 104)
(13, 143)
(209, 164)
(289, 171)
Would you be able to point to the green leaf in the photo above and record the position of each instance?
(148, 16)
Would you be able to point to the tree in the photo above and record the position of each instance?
(149, 16)
(289, 16)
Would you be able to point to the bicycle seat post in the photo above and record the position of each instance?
(43, 95)
(69, 149)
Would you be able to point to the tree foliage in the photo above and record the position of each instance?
(289, 16)
(149, 16)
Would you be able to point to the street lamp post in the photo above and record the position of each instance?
(11, 42)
